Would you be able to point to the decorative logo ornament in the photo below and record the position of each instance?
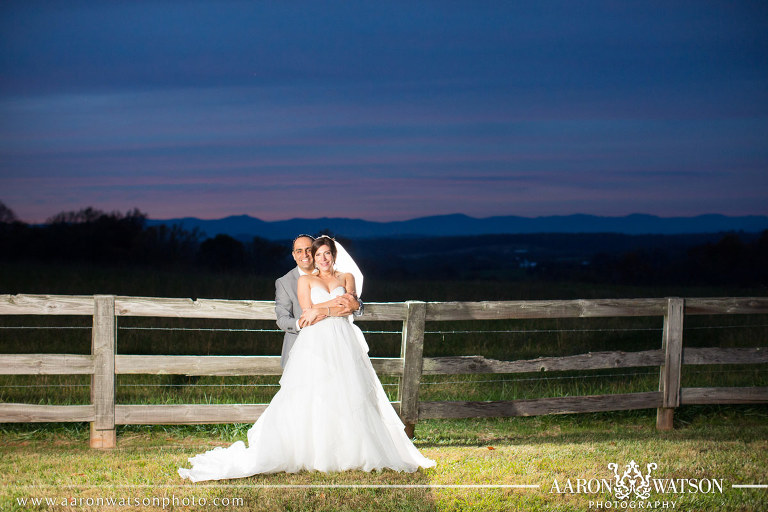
(632, 481)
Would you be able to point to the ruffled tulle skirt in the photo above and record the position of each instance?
(330, 414)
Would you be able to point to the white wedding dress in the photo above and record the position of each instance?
(330, 414)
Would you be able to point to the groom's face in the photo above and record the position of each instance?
(302, 254)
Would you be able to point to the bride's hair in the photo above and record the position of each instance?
(321, 241)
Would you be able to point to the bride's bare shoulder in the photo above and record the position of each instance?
(307, 278)
(348, 279)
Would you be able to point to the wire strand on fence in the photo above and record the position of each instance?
(215, 329)
(204, 329)
(44, 327)
(535, 331)
(537, 378)
(568, 377)
(497, 331)
(429, 383)
(529, 331)
(26, 386)
(211, 385)
(207, 329)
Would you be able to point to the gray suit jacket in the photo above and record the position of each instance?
(287, 310)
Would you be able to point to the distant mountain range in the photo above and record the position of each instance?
(244, 226)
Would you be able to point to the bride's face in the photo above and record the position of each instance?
(324, 258)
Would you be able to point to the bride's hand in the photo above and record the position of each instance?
(349, 304)
(310, 316)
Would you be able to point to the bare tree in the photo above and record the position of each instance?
(6, 215)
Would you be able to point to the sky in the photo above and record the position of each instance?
(384, 110)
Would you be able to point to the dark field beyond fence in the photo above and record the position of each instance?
(103, 364)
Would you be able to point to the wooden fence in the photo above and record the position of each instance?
(103, 363)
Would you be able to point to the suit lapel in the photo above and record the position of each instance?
(293, 291)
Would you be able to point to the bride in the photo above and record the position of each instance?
(331, 412)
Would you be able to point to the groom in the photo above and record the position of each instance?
(287, 308)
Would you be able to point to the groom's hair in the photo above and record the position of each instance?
(302, 236)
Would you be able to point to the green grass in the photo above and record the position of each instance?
(729, 443)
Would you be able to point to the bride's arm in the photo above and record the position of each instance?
(303, 293)
(349, 284)
(348, 303)
(310, 312)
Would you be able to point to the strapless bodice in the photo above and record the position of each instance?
(319, 294)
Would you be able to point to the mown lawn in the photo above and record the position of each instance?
(729, 444)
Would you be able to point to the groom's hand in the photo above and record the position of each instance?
(348, 303)
(310, 316)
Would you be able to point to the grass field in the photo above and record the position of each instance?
(53, 460)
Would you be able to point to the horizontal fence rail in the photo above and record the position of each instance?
(103, 363)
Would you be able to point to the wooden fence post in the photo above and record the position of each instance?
(412, 350)
(103, 342)
(669, 379)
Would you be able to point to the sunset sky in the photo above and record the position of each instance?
(384, 110)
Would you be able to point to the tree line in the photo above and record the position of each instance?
(93, 236)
